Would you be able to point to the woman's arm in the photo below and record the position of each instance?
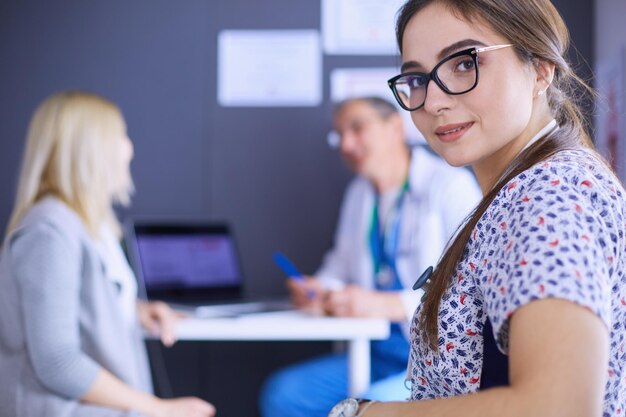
(109, 391)
(558, 359)
(46, 265)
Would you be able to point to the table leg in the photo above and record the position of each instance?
(358, 366)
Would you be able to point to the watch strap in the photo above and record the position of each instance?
(368, 405)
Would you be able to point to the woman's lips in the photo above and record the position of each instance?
(453, 132)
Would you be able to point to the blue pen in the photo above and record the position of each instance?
(290, 269)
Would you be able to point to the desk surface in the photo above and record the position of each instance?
(284, 325)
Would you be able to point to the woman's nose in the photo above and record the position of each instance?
(437, 99)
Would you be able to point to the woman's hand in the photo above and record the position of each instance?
(185, 407)
(108, 391)
(158, 319)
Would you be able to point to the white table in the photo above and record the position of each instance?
(296, 326)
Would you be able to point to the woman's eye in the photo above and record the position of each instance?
(415, 82)
(465, 65)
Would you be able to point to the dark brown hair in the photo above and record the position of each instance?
(539, 34)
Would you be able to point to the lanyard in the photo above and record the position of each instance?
(383, 239)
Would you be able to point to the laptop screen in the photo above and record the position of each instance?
(187, 262)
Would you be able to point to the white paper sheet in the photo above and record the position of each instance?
(360, 27)
(269, 68)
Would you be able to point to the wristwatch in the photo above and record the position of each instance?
(350, 407)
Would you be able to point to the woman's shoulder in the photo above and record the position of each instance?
(571, 187)
(570, 175)
(51, 215)
(578, 167)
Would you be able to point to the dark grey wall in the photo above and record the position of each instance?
(266, 170)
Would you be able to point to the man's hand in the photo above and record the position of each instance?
(355, 301)
(307, 293)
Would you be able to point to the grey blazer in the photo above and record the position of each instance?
(59, 319)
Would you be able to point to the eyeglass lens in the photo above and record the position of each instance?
(455, 75)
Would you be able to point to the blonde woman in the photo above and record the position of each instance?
(70, 344)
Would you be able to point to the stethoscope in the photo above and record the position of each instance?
(423, 279)
(384, 251)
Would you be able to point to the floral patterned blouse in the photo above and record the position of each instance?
(554, 231)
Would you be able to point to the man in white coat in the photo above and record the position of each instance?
(396, 218)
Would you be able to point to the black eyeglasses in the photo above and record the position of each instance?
(455, 74)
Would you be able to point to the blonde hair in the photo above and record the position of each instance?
(71, 154)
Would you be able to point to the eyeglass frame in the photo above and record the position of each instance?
(432, 75)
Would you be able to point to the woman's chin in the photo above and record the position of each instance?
(455, 159)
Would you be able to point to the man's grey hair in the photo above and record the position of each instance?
(383, 107)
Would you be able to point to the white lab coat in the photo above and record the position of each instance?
(437, 202)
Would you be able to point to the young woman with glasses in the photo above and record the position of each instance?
(525, 314)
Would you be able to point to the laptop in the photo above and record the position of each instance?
(194, 267)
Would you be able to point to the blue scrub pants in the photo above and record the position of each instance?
(312, 388)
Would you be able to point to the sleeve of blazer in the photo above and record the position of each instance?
(46, 265)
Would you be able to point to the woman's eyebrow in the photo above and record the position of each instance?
(448, 50)
(410, 65)
(465, 43)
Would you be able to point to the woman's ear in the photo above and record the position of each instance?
(545, 75)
